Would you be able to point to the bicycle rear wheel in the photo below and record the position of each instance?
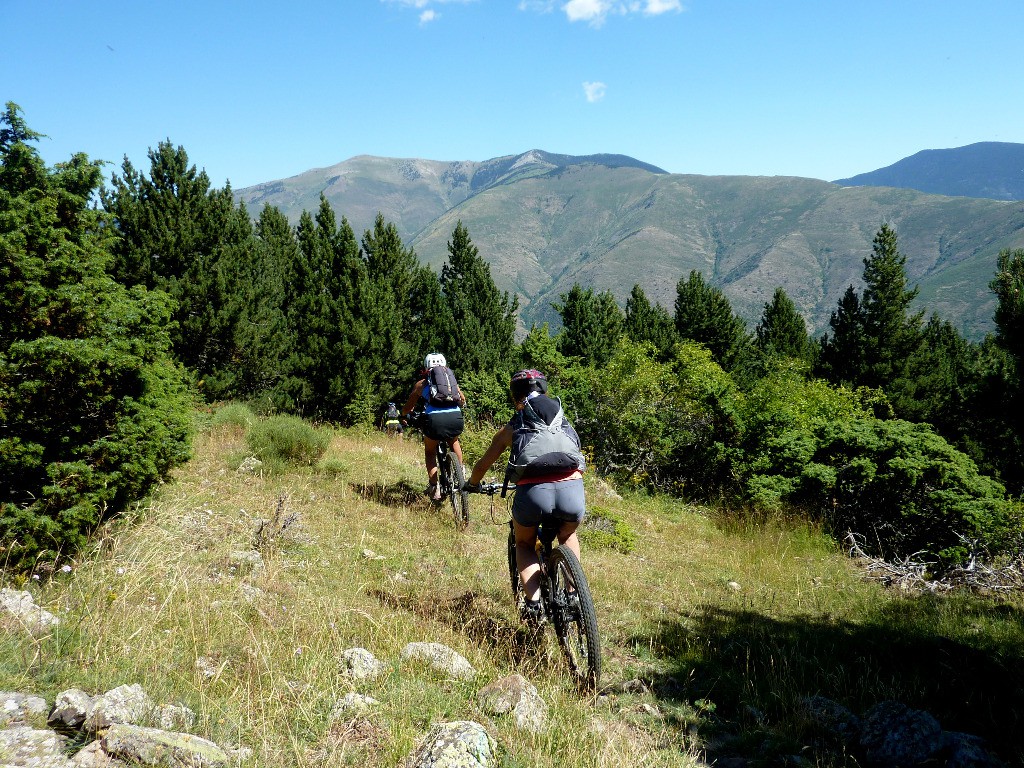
(459, 498)
(574, 616)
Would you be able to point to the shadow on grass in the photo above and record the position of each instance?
(756, 669)
(484, 621)
(400, 494)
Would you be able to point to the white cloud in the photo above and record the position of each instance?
(657, 7)
(594, 91)
(427, 16)
(594, 12)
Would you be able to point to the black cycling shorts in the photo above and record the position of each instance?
(443, 425)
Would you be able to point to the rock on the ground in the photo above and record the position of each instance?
(459, 744)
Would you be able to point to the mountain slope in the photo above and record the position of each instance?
(545, 221)
(989, 169)
(610, 229)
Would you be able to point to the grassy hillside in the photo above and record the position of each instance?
(726, 626)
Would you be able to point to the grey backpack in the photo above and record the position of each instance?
(539, 448)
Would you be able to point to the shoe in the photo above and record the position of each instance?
(432, 492)
(532, 613)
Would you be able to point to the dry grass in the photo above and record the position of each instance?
(715, 624)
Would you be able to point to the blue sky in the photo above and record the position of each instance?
(262, 90)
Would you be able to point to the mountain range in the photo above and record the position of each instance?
(545, 221)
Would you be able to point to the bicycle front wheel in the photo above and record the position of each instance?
(459, 498)
(574, 616)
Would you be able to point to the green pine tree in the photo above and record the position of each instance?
(393, 270)
(782, 331)
(651, 323)
(483, 319)
(843, 355)
(703, 314)
(591, 325)
(183, 237)
(93, 411)
(892, 334)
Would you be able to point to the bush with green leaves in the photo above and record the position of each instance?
(93, 411)
(604, 528)
(901, 487)
(287, 440)
(906, 490)
(669, 426)
(782, 413)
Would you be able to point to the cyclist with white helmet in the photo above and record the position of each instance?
(441, 420)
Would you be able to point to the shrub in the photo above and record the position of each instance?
(605, 528)
(905, 489)
(287, 440)
(234, 414)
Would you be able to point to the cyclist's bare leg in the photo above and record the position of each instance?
(526, 559)
(567, 538)
(430, 456)
(457, 447)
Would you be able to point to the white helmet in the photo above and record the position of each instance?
(433, 360)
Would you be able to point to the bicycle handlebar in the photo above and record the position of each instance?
(488, 489)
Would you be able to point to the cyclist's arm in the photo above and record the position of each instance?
(414, 396)
(502, 440)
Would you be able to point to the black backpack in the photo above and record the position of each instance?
(441, 388)
(393, 412)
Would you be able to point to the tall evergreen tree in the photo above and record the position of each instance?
(392, 270)
(1002, 397)
(782, 331)
(703, 314)
(262, 334)
(483, 319)
(941, 379)
(651, 323)
(93, 411)
(181, 236)
(843, 357)
(329, 310)
(892, 334)
(1008, 286)
(591, 325)
(432, 327)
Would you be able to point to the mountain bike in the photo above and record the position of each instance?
(451, 477)
(565, 595)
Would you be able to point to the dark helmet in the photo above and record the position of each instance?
(527, 381)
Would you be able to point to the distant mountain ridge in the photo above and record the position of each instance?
(545, 221)
(988, 169)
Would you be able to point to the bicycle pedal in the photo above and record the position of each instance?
(533, 613)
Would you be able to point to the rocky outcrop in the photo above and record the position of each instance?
(893, 735)
(18, 611)
(459, 744)
(150, 746)
(517, 695)
(440, 657)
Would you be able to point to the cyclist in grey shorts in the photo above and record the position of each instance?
(551, 488)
